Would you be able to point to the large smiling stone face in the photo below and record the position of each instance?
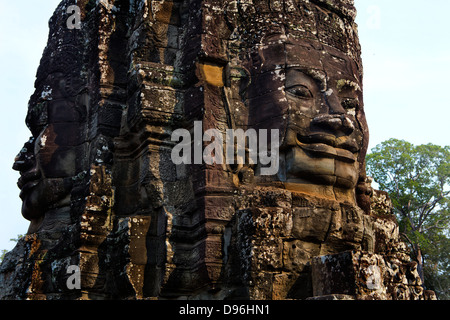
(312, 94)
(324, 132)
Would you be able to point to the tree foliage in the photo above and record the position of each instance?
(417, 179)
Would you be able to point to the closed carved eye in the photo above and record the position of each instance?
(300, 91)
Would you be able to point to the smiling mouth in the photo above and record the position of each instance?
(27, 181)
(27, 187)
(327, 145)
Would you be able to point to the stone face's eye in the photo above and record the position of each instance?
(350, 103)
(300, 91)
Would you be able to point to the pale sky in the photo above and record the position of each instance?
(406, 54)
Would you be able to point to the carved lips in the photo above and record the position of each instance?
(327, 145)
(328, 151)
(27, 181)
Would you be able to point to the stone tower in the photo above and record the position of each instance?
(113, 216)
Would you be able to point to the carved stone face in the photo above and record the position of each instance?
(53, 156)
(43, 181)
(315, 99)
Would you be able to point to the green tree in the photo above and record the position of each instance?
(417, 179)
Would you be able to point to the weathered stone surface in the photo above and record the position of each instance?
(366, 276)
(103, 195)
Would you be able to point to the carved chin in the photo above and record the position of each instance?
(48, 193)
(321, 170)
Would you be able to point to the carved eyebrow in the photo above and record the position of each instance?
(319, 76)
(343, 84)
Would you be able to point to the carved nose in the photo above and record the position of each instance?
(22, 163)
(332, 101)
(336, 124)
(25, 159)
